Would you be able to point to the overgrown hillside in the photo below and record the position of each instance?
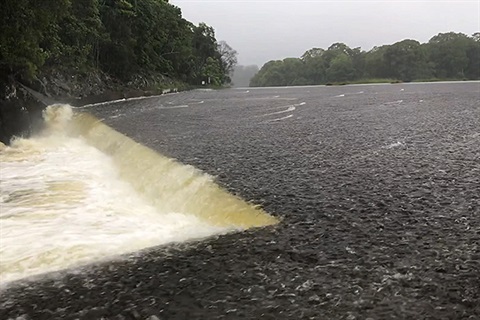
(130, 41)
(82, 51)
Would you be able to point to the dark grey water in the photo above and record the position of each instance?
(378, 187)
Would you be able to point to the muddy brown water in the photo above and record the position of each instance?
(378, 192)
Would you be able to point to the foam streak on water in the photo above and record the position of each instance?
(65, 203)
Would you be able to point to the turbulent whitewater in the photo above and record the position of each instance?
(80, 192)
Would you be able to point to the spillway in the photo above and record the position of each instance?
(81, 192)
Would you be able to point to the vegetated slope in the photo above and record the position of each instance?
(127, 40)
(83, 51)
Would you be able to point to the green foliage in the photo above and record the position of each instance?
(473, 55)
(269, 75)
(123, 38)
(375, 65)
(406, 60)
(74, 40)
(212, 62)
(445, 56)
(315, 66)
(340, 68)
(24, 25)
(211, 70)
(454, 55)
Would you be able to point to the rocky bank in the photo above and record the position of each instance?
(22, 101)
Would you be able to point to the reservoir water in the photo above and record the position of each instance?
(377, 188)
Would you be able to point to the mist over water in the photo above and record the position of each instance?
(80, 192)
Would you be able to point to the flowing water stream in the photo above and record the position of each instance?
(81, 192)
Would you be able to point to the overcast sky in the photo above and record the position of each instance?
(264, 30)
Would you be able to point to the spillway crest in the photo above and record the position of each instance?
(81, 191)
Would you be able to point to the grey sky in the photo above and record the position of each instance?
(266, 30)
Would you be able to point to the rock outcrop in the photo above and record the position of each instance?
(22, 103)
(20, 111)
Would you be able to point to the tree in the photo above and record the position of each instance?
(406, 60)
(163, 38)
(271, 74)
(375, 65)
(117, 55)
(124, 38)
(212, 72)
(341, 69)
(343, 63)
(228, 59)
(335, 50)
(74, 41)
(449, 55)
(315, 66)
(24, 25)
(448, 52)
(358, 61)
(473, 54)
(293, 70)
(204, 46)
(312, 53)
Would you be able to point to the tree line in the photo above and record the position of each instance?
(122, 38)
(446, 56)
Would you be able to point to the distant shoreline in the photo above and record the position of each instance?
(363, 84)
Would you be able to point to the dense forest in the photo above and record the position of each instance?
(446, 56)
(121, 38)
(129, 38)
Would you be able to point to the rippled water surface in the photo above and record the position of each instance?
(377, 189)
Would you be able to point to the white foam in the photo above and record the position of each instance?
(290, 108)
(280, 119)
(63, 204)
(393, 102)
(394, 145)
(164, 93)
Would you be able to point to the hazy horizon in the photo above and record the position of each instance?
(269, 30)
